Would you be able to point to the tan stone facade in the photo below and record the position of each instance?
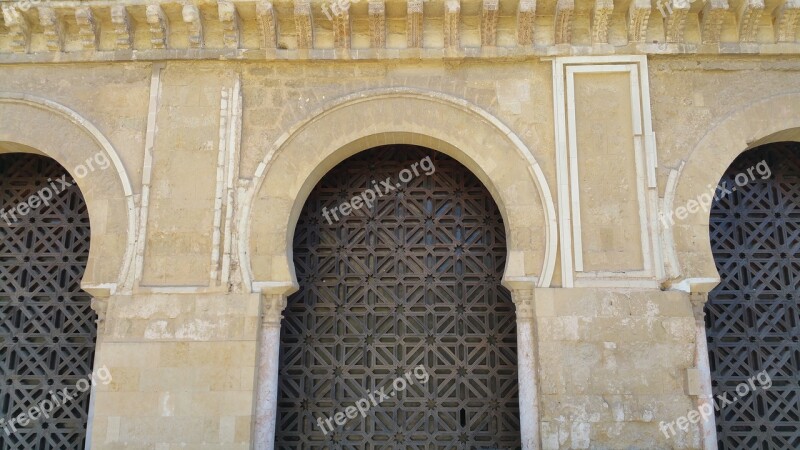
(219, 120)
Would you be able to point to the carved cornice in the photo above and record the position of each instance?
(214, 29)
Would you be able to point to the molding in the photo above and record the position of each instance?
(215, 30)
(645, 159)
(147, 172)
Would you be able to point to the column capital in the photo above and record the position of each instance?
(698, 300)
(523, 300)
(272, 305)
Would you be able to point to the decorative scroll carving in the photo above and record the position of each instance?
(638, 19)
(452, 13)
(414, 23)
(713, 14)
(341, 26)
(786, 18)
(676, 20)
(377, 23)
(526, 14)
(563, 25)
(489, 14)
(749, 16)
(302, 23)
(266, 24)
(601, 15)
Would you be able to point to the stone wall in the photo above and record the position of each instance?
(179, 261)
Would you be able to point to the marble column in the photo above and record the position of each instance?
(708, 427)
(267, 391)
(527, 367)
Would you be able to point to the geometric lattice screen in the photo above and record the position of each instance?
(413, 279)
(752, 317)
(47, 327)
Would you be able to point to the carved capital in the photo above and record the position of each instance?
(523, 300)
(100, 307)
(272, 305)
(698, 300)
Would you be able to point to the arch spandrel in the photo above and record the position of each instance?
(295, 163)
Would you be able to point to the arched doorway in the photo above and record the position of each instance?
(752, 316)
(403, 286)
(47, 326)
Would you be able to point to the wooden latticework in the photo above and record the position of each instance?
(412, 280)
(752, 317)
(47, 327)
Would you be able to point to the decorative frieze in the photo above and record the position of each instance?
(223, 23)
